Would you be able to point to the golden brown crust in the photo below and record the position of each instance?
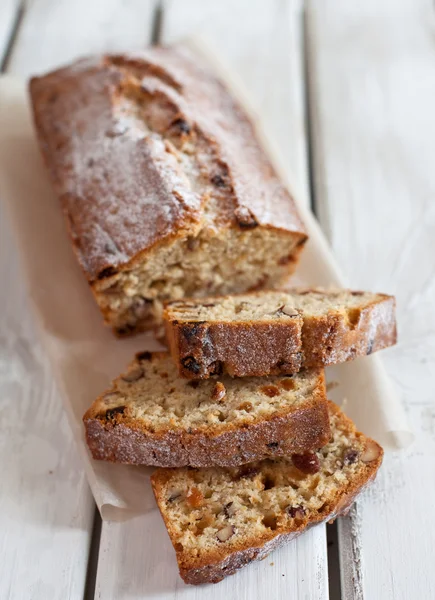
(123, 192)
(298, 432)
(334, 339)
(261, 348)
(239, 349)
(96, 173)
(219, 564)
(114, 436)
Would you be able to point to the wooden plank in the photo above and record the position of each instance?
(46, 509)
(137, 557)
(9, 11)
(372, 85)
(87, 27)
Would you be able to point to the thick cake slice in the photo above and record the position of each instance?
(221, 519)
(275, 332)
(151, 416)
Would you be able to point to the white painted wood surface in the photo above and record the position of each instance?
(46, 508)
(137, 560)
(132, 563)
(372, 94)
(372, 85)
(54, 32)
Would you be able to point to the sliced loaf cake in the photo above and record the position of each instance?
(165, 185)
(151, 416)
(275, 332)
(221, 519)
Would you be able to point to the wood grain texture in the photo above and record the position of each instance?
(46, 508)
(136, 558)
(372, 90)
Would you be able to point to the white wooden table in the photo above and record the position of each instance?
(348, 90)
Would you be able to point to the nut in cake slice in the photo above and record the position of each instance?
(221, 519)
(151, 416)
(274, 332)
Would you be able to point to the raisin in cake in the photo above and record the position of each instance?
(151, 416)
(221, 519)
(273, 332)
(166, 189)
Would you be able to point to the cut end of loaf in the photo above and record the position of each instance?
(213, 262)
(221, 519)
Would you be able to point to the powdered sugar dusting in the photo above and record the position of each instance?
(254, 180)
(122, 193)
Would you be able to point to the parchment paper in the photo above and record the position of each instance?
(84, 353)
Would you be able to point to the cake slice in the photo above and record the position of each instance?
(275, 332)
(221, 519)
(151, 416)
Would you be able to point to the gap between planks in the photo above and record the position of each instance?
(157, 24)
(332, 538)
(94, 551)
(11, 16)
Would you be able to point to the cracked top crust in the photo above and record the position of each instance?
(122, 184)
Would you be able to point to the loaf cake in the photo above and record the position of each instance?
(221, 519)
(272, 332)
(166, 189)
(151, 416)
